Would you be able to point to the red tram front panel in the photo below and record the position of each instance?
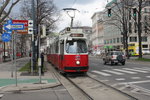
(75, 63)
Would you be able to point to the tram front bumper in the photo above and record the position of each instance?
(76, 69)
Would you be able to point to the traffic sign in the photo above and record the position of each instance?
(13, 27)
(30, 30)
(6, 37)
(28, 24)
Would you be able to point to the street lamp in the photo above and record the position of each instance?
(68, 11)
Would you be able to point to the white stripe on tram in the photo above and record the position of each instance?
(125, 71)
(101, 73)
(113, 72)
(142, 71)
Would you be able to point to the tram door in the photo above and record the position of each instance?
(61, 54)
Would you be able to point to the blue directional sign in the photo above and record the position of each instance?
(6, 37)
(13, 27)
(9, 31)
(9, 21)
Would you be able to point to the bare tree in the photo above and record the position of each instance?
(6, 4)
(46, 13)
(121, 17)
(140, 4)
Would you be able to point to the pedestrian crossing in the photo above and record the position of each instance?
(122, 71)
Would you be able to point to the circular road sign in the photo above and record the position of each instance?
(6, 37)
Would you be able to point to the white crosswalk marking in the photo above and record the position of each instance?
(135, 78)
(113, 72)
(125, 71)
(147, 76)
(135, 70)
(143, 68)
(120, 79)
(101, 73)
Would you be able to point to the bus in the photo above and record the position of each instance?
(134, 49)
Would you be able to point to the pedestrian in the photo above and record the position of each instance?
(42, 63)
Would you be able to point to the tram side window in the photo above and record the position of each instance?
(56, 47)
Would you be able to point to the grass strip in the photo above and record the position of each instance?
(143, 59)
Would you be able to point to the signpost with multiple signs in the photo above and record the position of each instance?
(28, 26)
(18, 26)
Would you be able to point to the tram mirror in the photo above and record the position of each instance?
(70, 43)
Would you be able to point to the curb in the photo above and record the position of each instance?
(28, 87)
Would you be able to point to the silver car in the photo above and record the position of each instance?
(114, 57)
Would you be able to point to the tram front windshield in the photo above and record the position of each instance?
(76, 46)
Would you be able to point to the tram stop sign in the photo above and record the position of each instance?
(6, 37)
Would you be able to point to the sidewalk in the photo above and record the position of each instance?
(26, 81)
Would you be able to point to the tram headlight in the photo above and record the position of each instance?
(78, 62)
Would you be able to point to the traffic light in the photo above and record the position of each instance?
(109, 12)
(68, 29)
(145, 29)
(134, 11)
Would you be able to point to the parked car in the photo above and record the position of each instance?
(114, 57)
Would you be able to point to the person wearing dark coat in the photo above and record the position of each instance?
(42, 63)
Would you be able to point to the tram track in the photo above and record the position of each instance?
(76, 92)
(89, 88)
(86, 94)
(113, 88)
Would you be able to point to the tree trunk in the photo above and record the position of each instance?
(139, 28)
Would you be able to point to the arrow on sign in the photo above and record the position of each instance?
(13, 26)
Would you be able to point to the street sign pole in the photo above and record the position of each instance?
(15, 57)
(32, 39)
(12, 54)
(39, 54)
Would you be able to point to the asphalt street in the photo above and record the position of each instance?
(133, 77)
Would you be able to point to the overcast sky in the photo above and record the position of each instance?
(86, 8)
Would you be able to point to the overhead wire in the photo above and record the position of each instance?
(74, 2)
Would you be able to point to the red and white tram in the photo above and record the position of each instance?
(68, 52)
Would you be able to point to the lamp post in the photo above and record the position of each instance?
(68, 11)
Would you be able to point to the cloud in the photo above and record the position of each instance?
(70, 3)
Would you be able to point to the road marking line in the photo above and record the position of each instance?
(101, 73)
(135, 78)
(120, 79)
(129, 72)
(135, 70)
(135, 82)
(143, 68)
(147, 76)
(113, 72)
(1, 95)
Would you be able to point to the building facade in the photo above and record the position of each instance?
(113, 27)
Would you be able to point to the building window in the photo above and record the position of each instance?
(114, 40)
(145, 46)
(111, 41)
(133, 39)
(118, 40)
(144, 39)
(104, 41)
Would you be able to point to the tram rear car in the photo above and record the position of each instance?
(69, 53)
